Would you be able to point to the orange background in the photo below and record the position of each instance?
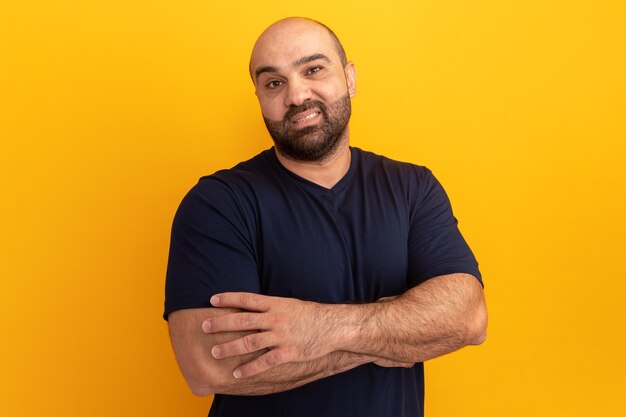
(110, 111)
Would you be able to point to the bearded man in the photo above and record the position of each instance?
(316, 278)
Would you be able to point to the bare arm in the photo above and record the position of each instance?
(436, 317)
(206, 375)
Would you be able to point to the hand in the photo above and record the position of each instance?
(293, 330)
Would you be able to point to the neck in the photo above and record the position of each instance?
(326, 173)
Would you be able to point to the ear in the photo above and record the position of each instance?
(350, 72)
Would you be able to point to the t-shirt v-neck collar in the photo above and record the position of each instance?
(341, 185)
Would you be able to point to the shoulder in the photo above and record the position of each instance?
(374, 162)
(236, 182)
(247, 173)
(229, 192)
(410, 177)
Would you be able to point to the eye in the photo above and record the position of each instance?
(274, 84)
(314, 69)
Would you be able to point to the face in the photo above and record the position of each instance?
(303, 89)
(315, 141)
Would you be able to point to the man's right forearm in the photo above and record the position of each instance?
(206, 375)
(292, 375)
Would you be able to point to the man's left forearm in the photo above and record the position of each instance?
(439, 316)
(436, 317)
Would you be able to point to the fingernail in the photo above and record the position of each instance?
(216, 352)
(206, 326)
(215, 300)
(237, 373)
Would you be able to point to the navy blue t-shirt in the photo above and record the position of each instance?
(385, 227)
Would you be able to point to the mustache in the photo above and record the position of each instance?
(308, 105)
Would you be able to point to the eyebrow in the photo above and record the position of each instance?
(301, 61)
(307, 59)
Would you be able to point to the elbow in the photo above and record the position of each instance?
(205, 383)
(479, 338)
(477, 331)
(201, 390)
(200, 386)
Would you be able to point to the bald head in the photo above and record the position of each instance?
(282, 32)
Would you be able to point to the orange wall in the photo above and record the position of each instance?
(110, 111)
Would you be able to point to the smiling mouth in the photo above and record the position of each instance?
(305, 118)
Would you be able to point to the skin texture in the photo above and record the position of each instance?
(314, 142)
(252, 344)
(285, 76)
(437, 317)
(206, 375)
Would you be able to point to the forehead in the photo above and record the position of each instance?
(283, 45)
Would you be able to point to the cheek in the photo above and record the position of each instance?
(333, 92)
(272, 108)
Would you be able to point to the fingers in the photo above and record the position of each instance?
(264, 362)
(234, 323)
(242, 300)
(262, 313)
(247, 344)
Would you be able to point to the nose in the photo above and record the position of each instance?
(298, 92)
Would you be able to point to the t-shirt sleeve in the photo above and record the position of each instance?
(435, 246)
(212, 248)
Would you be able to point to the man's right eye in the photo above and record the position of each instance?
(274, 84)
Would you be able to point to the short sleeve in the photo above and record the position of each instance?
(435, 245)
(212, 248)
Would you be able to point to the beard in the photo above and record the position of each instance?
(312, 143)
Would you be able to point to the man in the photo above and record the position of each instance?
(332, 273)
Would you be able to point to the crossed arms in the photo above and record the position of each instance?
(253, 344)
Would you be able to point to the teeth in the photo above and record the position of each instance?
(309, 117)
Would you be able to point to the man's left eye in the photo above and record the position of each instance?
(313, 70)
